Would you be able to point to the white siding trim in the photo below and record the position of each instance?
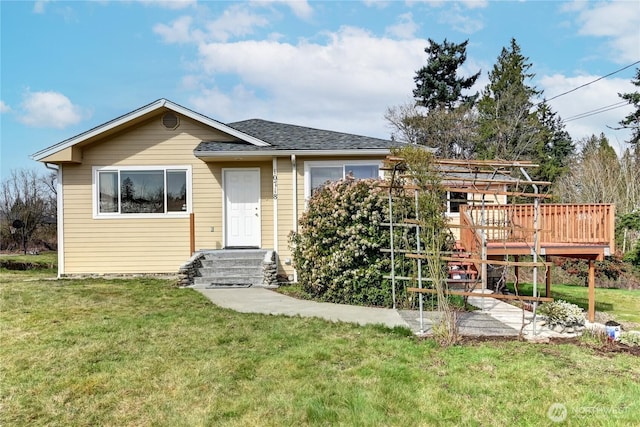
(60, 221)
(147, 109)
(209, 155)
(294, 171)
(275, 203)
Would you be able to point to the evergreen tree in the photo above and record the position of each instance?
(598, 145)
(437, 83)
(441, 117)
(509, 126)
(632, 121)
(554, 146)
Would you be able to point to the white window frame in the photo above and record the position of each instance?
(95, 189)
(449, 212)
(335, 163)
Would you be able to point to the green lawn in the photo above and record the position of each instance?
(141, 352)
(621, 304)
(45, 262)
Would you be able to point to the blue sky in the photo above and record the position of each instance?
(69, 66)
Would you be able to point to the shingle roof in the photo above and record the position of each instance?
(283, 136)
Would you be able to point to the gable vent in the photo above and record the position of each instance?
(170, 121)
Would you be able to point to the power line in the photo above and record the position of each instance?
(585, 115)
(589, 83)
(597, 111)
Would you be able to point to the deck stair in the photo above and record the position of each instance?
(231, 268)
(463, 273)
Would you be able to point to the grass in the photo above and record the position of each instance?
(43, 261)
(621, 304)
(142, 352)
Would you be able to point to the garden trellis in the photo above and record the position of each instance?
(485, 216)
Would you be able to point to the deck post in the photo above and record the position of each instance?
(516, 268)
(592, 291)
(548, 279)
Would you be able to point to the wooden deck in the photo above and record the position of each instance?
(579, 231)
(573, 250)
(568, 230)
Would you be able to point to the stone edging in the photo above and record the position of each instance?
(189, 270)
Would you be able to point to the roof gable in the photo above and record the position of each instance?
(140, 114)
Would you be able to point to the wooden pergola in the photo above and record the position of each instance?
(492, 230)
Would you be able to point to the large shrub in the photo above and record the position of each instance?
(337, 248)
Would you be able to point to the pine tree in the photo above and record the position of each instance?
(442, 117)
(554, 146)
(437, 83)
(632, 121)
(508, 123)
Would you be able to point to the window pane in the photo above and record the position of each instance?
(361, 171)
(108, 184)
(142, 191)
(321, 175)
(455, 200)
(176, 191)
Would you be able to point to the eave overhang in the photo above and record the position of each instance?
(139, 115)
(258, 154)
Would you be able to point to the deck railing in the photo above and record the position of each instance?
(588, 224)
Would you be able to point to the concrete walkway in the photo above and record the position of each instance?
(265, 301)
(495, 317)
(470, 324)
(511, 316)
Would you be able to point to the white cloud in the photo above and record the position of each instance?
(475, 4)
(380, 4)
(460, 21)
(4, 108)
(404, 29)
(573, 6)
(170, 4)
(603, 93)
(301, 8)
(49, 109)
(176, 32)
(235, 21)
(39, 6)
(345, 84)
(469, 4)
(618, 22)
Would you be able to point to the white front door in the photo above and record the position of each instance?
(242, 207)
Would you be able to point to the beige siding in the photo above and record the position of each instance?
(210, 212)
(160, 245)
(476, 199)
(286, 222)
(138, 245)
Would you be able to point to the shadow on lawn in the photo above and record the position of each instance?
(583, 303)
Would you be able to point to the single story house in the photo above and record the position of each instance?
(139, 193)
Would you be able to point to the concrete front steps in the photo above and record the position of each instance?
(233, 268)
